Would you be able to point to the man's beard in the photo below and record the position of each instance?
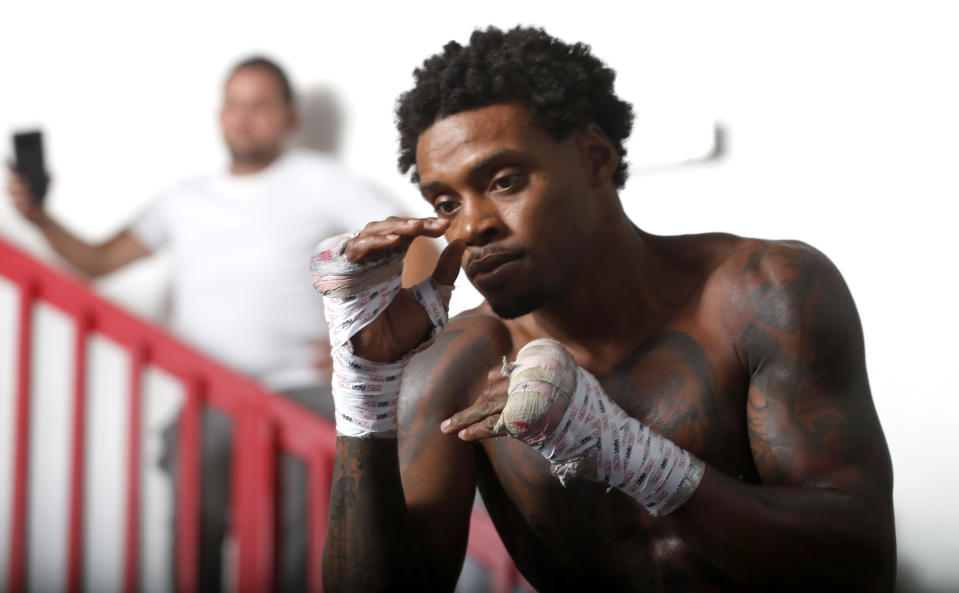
(254, 156)
(519, 305)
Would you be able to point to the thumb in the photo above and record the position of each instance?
(448, 266)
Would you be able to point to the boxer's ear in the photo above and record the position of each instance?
(601, 158)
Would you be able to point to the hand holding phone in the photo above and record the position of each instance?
(28, 148)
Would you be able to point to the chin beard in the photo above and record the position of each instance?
(518, 306)
(253, 156)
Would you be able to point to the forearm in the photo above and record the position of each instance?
(801, 538)
(78, 253)
(92, 259)
(370, 544)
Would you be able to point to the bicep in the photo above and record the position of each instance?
(810, 413)
(438, 471)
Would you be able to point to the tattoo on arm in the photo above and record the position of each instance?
(368, 544)
(809, 407)
(396, 522)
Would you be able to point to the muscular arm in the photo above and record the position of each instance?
(369, 543)
(822, 519)
(399, 513)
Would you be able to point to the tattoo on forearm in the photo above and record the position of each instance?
(369, 543)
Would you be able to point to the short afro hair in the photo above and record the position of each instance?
(564, 86)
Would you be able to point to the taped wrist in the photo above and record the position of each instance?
(561, 411)
(366, 393)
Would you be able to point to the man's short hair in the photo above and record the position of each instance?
(564, 86)
(264, 63)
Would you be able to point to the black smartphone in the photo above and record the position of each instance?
(28, 148)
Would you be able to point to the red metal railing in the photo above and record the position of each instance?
(265, 426)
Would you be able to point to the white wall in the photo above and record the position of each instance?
(842, 120)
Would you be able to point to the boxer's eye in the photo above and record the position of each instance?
(445, 206)
(507, 182)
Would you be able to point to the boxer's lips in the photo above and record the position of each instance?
(492, 269)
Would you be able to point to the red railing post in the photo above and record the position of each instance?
(254, 496)
(18, 530)
(264, 425)
(188, 489)
(78, 453)
(131, 565)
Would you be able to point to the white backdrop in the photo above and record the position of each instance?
(841, 125)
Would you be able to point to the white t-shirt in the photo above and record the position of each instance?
(241, 247)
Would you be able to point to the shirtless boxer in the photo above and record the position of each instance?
(731, 368)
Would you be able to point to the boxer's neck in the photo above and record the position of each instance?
(615, 299)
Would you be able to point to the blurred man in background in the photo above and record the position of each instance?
(241, 240)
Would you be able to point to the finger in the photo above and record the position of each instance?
(482, 408)
(496, 378)
(22, 199)
(448, 266)
(489, 427)
(13, 172)
(394, 233)
(20, 191)
(407, 227)
(362, 246)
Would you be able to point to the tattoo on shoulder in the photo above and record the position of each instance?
(778, 300)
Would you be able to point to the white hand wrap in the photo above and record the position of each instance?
(561, 411)
(366, 393)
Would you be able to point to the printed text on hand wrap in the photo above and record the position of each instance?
(594, 438)
(365, 393)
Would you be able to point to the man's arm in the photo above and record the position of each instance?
(388, 532)
(822, 519)
(400, 508)
(439, 470)
(93, 259)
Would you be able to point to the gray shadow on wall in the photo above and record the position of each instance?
(321, 121)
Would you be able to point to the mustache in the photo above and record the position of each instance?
(488, 251)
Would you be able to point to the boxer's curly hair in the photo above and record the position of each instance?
(564, 86)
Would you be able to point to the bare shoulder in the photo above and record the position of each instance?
(756, 295)
(757, 262)
(767, 282)
(441, 380)
(731, 260)
(789, 286)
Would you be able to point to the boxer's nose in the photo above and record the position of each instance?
(478, 222)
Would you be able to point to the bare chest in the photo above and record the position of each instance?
(679, 388)
(694, 395)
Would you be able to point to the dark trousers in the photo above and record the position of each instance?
(293, 480)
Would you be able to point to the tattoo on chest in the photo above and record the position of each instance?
(669, 384)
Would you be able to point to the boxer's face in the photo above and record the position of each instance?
(520, 200)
